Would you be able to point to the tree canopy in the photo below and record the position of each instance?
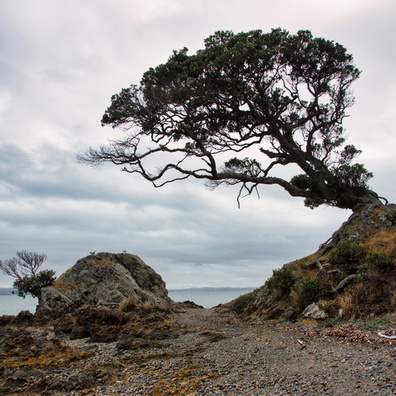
(240, 110)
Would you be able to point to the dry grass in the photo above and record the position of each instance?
(63, 286)
(58, 354)
(383, 241)
(347, 304)
(364, 299)
(129, 304)
(149, 306)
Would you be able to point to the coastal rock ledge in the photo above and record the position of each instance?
(104, 280)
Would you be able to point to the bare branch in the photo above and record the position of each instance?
(11, 268)
(31, 261)
(25, 264)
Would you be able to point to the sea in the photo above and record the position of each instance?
(12, 304)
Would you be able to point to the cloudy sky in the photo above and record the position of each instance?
(60, 63)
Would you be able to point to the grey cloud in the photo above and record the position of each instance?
(60, 62)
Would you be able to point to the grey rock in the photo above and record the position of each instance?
(314, 312)
(103, 279)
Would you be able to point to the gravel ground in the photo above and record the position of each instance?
(210, 352)
(217, 355)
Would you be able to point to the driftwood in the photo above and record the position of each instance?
(346, 281)
(386, 336)
(315, 263)
(350, 278)
(329, 244)
(334, 271)
(302, 344)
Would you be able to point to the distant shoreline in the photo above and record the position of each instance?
(212, 289)
(12, 304)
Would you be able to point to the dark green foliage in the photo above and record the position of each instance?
(309, 290)
(349, 256)
(281, 281)
(381, 262)
(278, 97)
(34, 283)
(242, 302)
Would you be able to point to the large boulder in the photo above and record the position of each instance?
(106, 280)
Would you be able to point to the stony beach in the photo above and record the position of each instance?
(208, 352)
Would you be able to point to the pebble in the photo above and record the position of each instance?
(253, 360)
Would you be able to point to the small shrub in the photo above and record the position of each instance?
(381, 262)
(308, 290)
(281, 281)
(240, 303)
(348, 256)
(34, 283)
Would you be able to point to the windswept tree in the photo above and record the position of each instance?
(24, 269)
(238, 111)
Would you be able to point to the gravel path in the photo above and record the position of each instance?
(215, 354)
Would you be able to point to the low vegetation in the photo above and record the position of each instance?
(308, 290)
(281, 282)
(352, 276)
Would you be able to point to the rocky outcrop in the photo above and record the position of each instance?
(104, 280)
(352, 275)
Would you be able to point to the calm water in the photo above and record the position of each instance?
(11, 304)
(208, 297)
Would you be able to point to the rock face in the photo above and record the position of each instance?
(104, 279)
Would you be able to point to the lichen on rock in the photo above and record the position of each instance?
(103, 279)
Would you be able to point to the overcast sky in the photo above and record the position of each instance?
(60, 63)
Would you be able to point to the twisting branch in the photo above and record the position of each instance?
(279, 99)
(26, 264)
